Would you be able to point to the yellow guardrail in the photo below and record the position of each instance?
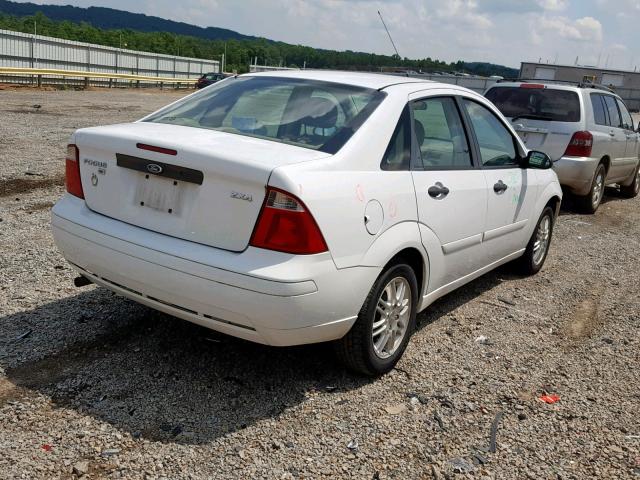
(81, 74)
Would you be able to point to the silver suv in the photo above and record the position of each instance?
(586, 130)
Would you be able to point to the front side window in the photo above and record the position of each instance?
(312, 114)
(612, 110)
(627, 121)
(536, 103)
(439, 134)
(497, 146)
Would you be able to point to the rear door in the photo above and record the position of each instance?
(631, 152)
(544, 116)
(619, 162)
(512, 190)
(451, 191)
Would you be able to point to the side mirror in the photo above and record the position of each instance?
(538, 160)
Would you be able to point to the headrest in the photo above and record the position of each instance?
(320, 113)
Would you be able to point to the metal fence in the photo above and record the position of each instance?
(35, 51)
(267, 68)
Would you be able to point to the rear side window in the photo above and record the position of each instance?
(599, 111)
(612, 111)
(627, 121)
(440, 136)
(536, 103)
(398, 154)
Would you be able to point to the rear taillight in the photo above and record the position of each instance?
(580, 145)
(72, 172)
(285, 225)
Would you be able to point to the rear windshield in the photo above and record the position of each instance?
(311, 114)
(536, 103)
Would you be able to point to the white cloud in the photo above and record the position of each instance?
(464, 12)
(582, 29)
(554, 5)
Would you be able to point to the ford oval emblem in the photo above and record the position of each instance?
(154, 168)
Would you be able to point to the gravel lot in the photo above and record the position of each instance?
(94, 385)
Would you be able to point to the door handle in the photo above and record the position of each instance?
(612, 133)
(499, 187)
(438, 191)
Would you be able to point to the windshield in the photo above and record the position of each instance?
(312, 114)
(536, 103)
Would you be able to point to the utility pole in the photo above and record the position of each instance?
(34, 56)
(385, 27)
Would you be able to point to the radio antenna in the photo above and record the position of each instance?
(391, 39)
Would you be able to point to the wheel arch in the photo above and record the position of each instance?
(414, 258)
(551, 195)
(402, 241)
(555, 202)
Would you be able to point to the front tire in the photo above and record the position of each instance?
(632, 190)
(385, 323)
(590, 202)
(538, 247)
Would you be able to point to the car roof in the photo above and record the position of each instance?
(375, 81)
(559, 86)
(555, 86)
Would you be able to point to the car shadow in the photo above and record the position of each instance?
(165, 379)
(569, 205)
(156, 376)
(472, 290)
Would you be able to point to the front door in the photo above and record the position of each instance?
(512, 190)
(631, 151)
(618, 140)
(451, 191)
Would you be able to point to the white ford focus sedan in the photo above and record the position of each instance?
(299, 207)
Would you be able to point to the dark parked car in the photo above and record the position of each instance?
(209, 79)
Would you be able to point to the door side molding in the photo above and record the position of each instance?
(504, 230)
(461, 244)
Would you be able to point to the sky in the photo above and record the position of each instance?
(596, 32)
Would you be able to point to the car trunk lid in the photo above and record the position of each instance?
(210, 191)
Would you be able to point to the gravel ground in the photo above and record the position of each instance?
(96, 386)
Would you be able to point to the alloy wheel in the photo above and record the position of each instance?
(598, 189)
(391, 320)
(541, 242)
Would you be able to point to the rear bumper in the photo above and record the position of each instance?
(259, 295)
(576, 173)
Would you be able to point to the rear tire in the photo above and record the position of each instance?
(590, 202)
(633, 189)
(361, 350)
(538, 247)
